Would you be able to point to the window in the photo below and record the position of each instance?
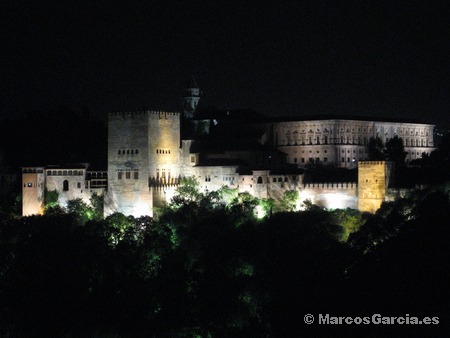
(325, 159)
(49, 173)
(136, 151)
(127, 175)
(295, 160)
(274, 179)
(66, 185)
(207, 178)
(29, 185)
(260, 180)
(120, 175)
(303, 160)
(118, 153)
(136, 175)
(79, 185)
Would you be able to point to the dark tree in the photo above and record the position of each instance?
(375, 149)
(395, 151)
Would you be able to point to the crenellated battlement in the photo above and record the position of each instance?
(370, 163)
(140, 113)
(331, 185)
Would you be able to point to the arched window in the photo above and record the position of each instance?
(66, 185)
(260, 180)
(136, 151)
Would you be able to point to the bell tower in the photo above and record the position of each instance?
(190, 99)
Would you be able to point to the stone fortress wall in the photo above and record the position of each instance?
(147, 156)
(71, 182)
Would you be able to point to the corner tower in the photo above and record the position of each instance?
(190, 99)
(373, 181)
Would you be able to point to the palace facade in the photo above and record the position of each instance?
(149, 151)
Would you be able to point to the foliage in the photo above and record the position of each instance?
(51, 201)
(219, 271)
(97, 202)
(289, 200)
(375, 149)
(394, 151)
(187, 191)
(349, 219)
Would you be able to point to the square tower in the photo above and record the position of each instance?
(143, 149)
(373, 181)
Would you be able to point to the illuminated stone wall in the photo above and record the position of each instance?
(128, 168)
(331, 195)
(32, 191)
(342, 143)
(143, 150)
(373, 179)
(164, 145)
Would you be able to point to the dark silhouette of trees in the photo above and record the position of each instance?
(211, 267)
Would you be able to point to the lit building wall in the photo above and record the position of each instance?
(164, 146)
(342, 143)
(373, 179)
(128, 164)
(32, 191)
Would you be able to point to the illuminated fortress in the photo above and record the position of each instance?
(149, 151)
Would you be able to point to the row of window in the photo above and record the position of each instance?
(127, 175)
(311, 160)
(64, 172)
(32, 171)
(162, 151)
(128, 152)
(350, 140)
(353, 130)
(162, 173)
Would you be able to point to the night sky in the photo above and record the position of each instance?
(279, 58)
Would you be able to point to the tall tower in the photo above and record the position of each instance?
(373, 181)
(190, 99)
(143, 152)
(33, 181)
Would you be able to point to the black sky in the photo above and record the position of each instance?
(279, 58)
